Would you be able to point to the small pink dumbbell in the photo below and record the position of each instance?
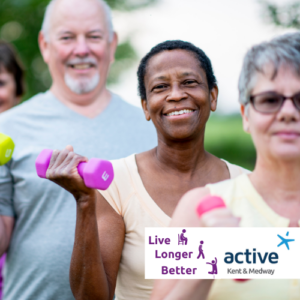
(209, 203)
(96, 173)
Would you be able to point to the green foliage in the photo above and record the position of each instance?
(20, 23)
(124, 57)
(225, 138)
(287, 16)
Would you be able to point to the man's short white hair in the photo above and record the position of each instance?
(46, 25)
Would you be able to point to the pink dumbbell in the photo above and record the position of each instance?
(209, 203)
(96, 173)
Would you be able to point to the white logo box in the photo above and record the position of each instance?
(166, 259)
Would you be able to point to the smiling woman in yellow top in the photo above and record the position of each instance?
(178, 90)
(269, 89)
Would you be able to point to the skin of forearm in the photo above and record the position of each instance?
(192, 289)
(4, 234)
(88, 279)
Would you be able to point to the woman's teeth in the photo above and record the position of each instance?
(180, 112)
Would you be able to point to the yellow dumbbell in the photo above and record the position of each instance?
(6, 148)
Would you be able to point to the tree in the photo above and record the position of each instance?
(20, 23)
(287, 16)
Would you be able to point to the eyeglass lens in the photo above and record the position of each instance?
(271, 102)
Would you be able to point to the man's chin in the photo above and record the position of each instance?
(82, 85)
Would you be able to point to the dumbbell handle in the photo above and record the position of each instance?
(209, 203)
(80, 168)
(45, 156)
(96, 173)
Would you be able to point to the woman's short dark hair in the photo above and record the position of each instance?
(204, 62)
(10, 62)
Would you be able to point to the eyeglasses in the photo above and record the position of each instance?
(271, 102)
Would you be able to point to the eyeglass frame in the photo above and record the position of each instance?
(283, 98)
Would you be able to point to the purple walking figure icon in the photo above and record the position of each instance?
(201, 253)
(214, 267)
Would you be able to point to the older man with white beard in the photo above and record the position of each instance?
(37, 217)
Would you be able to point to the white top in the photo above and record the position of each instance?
(129, 198)
(244, 201)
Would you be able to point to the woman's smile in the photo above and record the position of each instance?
(179, 113)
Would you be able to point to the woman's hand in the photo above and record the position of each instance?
(219, 217)
(185, 214)
(63, 171)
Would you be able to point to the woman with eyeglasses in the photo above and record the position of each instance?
(269, 94)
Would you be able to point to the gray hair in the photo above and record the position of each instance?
(46, 25)
(282, 50)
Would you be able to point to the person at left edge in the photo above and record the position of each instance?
(37, 222)
(11, 91)
(11, 77)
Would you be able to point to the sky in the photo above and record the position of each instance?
(223, 29)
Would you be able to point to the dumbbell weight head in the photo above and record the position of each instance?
(42, 162)
(6, 148)
(209, 203)
(96, 173)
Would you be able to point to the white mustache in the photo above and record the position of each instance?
(86, 60)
